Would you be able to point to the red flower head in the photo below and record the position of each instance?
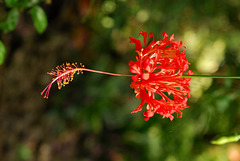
(158, 80)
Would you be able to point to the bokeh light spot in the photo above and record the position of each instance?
(109, 6)
(107, 22)
(142, 16)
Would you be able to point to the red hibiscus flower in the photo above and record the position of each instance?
(158, 76)
(157, 79)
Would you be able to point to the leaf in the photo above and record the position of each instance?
(39, 18)
(226, 139)
(11, 3)
(11, 22)
(21, 4)
(2, 52)
(30, 3)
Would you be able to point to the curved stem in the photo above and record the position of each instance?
(101, 72)
(185, 76)
(212, 76)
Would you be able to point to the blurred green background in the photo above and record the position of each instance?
(90, 119)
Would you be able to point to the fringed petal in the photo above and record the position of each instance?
(144, 34)
(136, 42)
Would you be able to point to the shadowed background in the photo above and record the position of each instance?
(90, 118)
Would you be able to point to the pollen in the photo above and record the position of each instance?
(63, 75)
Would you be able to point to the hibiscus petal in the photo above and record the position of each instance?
(144, 34)
(137, 43)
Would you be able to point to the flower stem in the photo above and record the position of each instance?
(212, 76)
(185, 76)
(101, 72)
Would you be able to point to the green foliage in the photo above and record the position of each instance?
(2, 52)
(39, 18)
(24, 152)
(38, 14)
(11, 3)
(21, 4)
(10, 19)
(224, 139)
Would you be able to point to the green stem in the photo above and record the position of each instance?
(212, 76)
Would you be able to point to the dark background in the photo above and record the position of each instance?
(90, 119)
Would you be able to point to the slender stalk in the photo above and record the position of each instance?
(107, 73)
(185, 76)
(212, 76)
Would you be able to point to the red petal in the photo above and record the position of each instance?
(139, 108)
(135, 78)
(151, 35)
(190, 72)
(165, 36)
(146, 119)
(171, 38)
(144, 37)
(145, 76)
(137, 43)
